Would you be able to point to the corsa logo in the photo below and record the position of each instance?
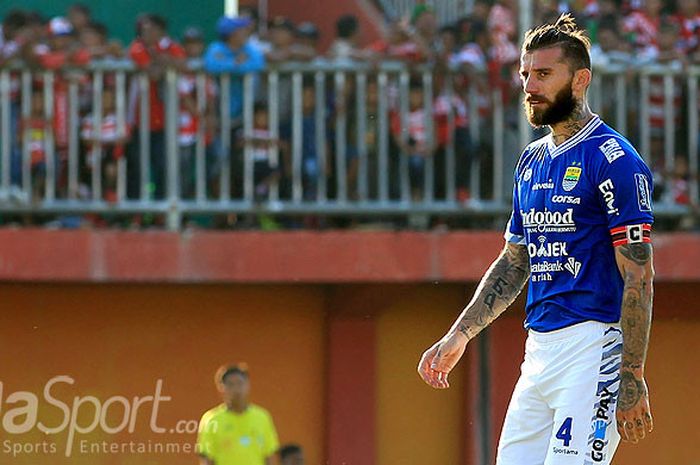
(566, 199)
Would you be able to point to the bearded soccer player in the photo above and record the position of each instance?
(580, 234)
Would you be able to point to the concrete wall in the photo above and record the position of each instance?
(335, 365)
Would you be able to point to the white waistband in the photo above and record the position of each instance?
(579, 329)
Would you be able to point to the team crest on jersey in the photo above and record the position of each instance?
(571, 177)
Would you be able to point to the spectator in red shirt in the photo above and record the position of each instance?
(417, 147)
(191, 116)
(642, 27)
(111, 141)
(62, 48)
(15, 42)
(34, 131)
(688, 19)
(153, 52)
(61, 54)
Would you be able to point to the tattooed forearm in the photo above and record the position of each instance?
(635, 261)
(638, 253)
(498, 289)
(631, 389)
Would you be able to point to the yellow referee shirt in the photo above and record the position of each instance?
(230, 438)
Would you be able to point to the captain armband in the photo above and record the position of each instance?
(631, 234)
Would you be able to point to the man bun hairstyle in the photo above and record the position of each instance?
(564, 33)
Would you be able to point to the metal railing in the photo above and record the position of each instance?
(322, 138)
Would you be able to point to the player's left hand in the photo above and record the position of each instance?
(437, 362)
(633, 413)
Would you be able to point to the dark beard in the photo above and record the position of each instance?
(560, 110)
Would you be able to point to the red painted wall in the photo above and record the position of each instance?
(286, 257)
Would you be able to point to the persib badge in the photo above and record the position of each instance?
(571, 177)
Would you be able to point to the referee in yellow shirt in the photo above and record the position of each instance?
(236, 432)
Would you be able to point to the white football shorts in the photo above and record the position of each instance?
(563, 407)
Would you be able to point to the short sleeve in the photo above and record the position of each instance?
(625, 187)
(514, 229)
(271, 440)
(205, 438)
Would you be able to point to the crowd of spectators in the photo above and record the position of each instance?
(480, 49)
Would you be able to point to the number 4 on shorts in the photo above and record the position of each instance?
(564, 432)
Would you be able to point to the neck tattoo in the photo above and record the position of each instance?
(566, 129)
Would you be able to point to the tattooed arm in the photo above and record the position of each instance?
(635, 263)
(498, 288)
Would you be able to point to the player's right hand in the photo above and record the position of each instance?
(437, 362)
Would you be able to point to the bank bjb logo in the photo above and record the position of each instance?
(571, 177)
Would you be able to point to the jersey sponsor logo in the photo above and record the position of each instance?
(571, 177)
(573, 266)
(527, 175)
(601, 421)
(542, 271)
(611, 149)
(546, 267)
(558, 450)
(603, 414)
(547, 249)
(543, 185)
(549, 221)
(566, 199)
(643, 192)
(606, 188)
(538, 278)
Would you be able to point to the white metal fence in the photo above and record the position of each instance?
(322, 138)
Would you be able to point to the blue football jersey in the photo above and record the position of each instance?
(572, 204)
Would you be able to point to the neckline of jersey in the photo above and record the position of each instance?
(580, 136)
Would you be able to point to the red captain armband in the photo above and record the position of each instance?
(632, 234)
